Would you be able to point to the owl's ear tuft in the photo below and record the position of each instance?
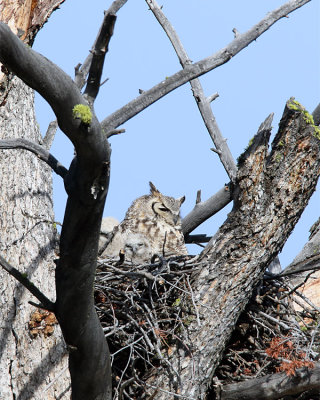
(153, 189)
(182, 199)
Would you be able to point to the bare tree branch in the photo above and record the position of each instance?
(204, 210)
(199, 68)
(38, 150)
(98, 56)
(50, 134)
(202, 101)
(45, 302)
(83, 70)
(86, 183)
(272, 387)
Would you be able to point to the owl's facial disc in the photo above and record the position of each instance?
(163, 212)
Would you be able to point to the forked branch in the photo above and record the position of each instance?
(83, 70)
(199, 68)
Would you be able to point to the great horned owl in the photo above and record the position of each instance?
(152, 225)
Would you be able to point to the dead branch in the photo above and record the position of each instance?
(81, 71)
(205, 209)
(202, 101)
(272, 387)
(98, 55)
(50, 134)
(199, 68)
(36, 149)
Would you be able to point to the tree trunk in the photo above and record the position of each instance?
(271, 192)
(29, 362)
(32, 353)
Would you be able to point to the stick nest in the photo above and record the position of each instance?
(145, 312)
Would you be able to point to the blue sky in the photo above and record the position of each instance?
(168, 143)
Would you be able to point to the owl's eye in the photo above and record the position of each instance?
(163, 208)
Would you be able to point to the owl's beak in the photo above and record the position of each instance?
(175, 219)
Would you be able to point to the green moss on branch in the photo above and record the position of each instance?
(82, 112)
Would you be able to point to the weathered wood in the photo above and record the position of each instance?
(203, 103)
(271, 193)
(272, 387)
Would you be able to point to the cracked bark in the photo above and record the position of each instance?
(271, 192)
(28, 364)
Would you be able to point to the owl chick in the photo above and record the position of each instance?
(152, 225)
(136, 248)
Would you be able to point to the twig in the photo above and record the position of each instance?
(211, 98)
(134, 274)
(55, 379)
(114, 132)
(45, 302)
(295, 288)
(274, 320)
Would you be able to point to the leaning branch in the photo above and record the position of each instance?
(201, 67)
(36, 149)
(45, 302)
(221, 147)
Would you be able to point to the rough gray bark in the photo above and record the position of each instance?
(27, 239)
(272, 191)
